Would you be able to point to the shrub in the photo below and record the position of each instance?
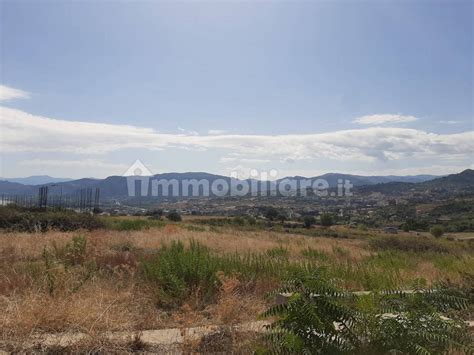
(131, 225)
(251, 220)
(412, 224)
(305, 324)
(174, 216)
(308, 221)
(73, 253)
(67, 267)
(281, 217)
(76, 250)
(437, 231)
(240, 221)
(326, 220)
(271, 213)
(36, 220)
(320, 318)
(178, 272)
(157, 213)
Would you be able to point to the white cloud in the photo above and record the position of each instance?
(22, 132)
(83, 163)
(215, 132)
(185, 131)
(450, 122)
(383, 119)
(242, 160)
(8, 93)
(422, 170)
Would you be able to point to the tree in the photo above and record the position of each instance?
(271, 213)
(155, 214)
(238, 220)
(321, 318)
(437, 231)
(174, 216)
(281, 217)
(326, 220)
(308, 221)
(413, 224)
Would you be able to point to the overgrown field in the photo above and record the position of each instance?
(136, 274)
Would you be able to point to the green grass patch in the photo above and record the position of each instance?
(129, 224)
(278, 252)
(314, 254)
(195, 228)
(180, 271)
(415, 244)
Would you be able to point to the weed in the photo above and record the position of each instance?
(194, 228)
(76, 250)
(315, 254)
(340, 251)
(278, 252)
(179, 272)
(416, 244)
(133, 224)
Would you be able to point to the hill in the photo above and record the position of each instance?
(115, 187)
(460, 184)
(36, 180)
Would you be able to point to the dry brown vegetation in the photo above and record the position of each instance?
(25, 246)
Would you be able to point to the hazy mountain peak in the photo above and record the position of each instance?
(37, 180)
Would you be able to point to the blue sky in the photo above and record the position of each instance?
(301, 87)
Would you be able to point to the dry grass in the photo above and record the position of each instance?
(30, 246)
(112, 301)
(39, 298)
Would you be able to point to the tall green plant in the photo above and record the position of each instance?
(322, 319)
(317, 318)
(179, 271)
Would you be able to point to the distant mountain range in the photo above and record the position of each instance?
(359, 180)
(36, 180)
(454, 184)
(115, 187)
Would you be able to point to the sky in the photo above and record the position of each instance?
(301, 87)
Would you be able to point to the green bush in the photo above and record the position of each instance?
(156, 213)
(174, 216)
(131, 225)
(320, 318)
(308, 221)
(180, 271)
(36, 220)
(326, 220)
(412, 224)
(239, 221)
(437, 231)
(271, 213)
